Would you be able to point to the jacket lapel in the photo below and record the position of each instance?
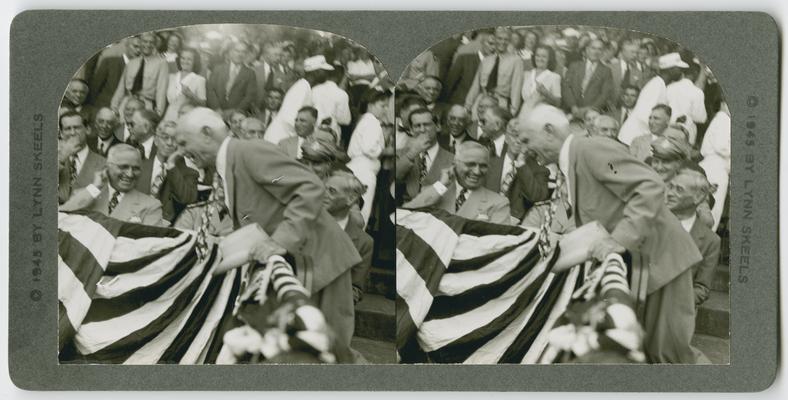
(229, 176)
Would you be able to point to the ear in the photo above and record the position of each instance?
(207, 132)
(549, 128)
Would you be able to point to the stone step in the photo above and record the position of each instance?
(375, 318)
(722, 278)
(382, 281)
(714, 315)
(374, 351)
(717, 350)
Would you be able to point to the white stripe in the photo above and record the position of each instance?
(97, 240)
(608, 279)
(617, 285)
(541, 341)
(155, 348)
(110, 287)
(413, 290)
(127, 249)
(469, 247)
(95, 336)
(71, 292)
(437, 333)
(452, 284)
(432, 231)
(492, 351)
(204, 337)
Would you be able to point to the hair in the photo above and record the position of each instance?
(502, 114)
(121, 148)
(197, 67)
(536, 34)
(248, 120)
(664, 107)
(168, 123)
(150, 116)
(201, 117)
(629, 86)
(69, 114)
(410, 100)
(274, 89)
(82, 81)
(550, 56)
(462, 148)
(544, 114)
(311, 110)
(354, 186)
(603, 116)
(701, 181)
(422, 110)
(373, 96)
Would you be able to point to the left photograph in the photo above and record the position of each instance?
(224, 198)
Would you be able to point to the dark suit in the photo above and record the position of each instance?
(709, 245)
(93, 144)
(617, 113)
(92, 164)
(528, 187)
(443, 159)
(284, 197)
(598, 91)
(460, 77)
(608, 185)
(495, 170)
(444, 140)
(178, 190)
(243, 92)
(146, 171)
(364, 245)
(105, 81)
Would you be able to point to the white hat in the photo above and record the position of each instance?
(570, 32)
(672, 60)
(315, 63)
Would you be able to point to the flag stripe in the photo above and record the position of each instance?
(137, 253)
(474, 250)
(413, 291)
(80, 260)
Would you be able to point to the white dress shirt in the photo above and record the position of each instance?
(221, 168)
(688, 222)
(652, 94)
(432, 152)
(79, 158)
(563, 165)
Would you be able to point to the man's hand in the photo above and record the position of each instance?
(263, 251)
(601, 248)
(447, 176)
(419, 144)
(100, 178)
(173, 158)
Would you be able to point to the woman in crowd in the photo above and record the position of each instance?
(185, 85)
(541, 84)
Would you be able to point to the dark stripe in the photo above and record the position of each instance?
(127, 267)
(422, 257)
(183, 340)
(65, 328)
(81, 262)
(228, 321)
(482, 228)
(520, 346)
(461, 348)
(406, 329)
(477, 296)
(475, 263)
(105, 309)
(138, 231)
(122, 349)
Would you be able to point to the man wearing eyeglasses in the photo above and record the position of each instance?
(112, 192)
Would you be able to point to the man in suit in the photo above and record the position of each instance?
(264, 68)
(304, 127)
(264, 186)
(76, 162)
(626, 71)
(463, 70)
(518, 176)
(458, 120)
(658, 122)
(686, 191)
(232, 85)
(105, 127)
(493, 124)
(165, 175)
(270, 105)
(112, 191)
(130, 105)
(74, 100)
(146, 76)
(343, 191)
(429, 88)
(627, 98)
(105, 80)
(606, 184)
(143, 130)
(421, 164)
(500, 75)
(588, 83)
(461, 190)
(252, 128)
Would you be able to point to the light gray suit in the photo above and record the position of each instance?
(134, 206)
(481, 204)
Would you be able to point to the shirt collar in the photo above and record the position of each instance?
(499, 142)
(343, 222)
(82, 155)
(563, 156)
(689, 222)
(147, 146)
(432, 152)
(111, 190)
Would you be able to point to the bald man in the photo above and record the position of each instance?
(265, 186)
(112, 192)
(607, 184)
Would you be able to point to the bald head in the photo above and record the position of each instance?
(544, 131)
(200, 133)
(124, 165)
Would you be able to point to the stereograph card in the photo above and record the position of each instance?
(226, 200)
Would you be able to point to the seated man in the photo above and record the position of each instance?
(343, 191)
(113, 194)
(467, 197)
(420, 163)
(686, 191)
(658, 122)
(304, 125)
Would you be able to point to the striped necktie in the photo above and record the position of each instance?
(508, 179)
(461, 197)
(113, 202)
(545, 247)
(158, 181)
(73, 169)
(422, 168)
(215, 203)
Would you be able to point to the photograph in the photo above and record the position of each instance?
(562, 198)
(224, 197)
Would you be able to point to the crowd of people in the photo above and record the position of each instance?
(209, 128)
(552, 127)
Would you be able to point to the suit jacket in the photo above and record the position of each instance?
(178, 190)
(608, 185)
(481, 204)
(154, 82)
(242, 94)
(289, 146)
(93, 144)
(708, 244)
(460, 77)
(364, 245)
(93, 163)
(105, 81)
(443, 159)
(510, 81)
(495, 170)
(146, 171)
(597, 93)
(529, 186)
(616, 113)
(265, 186)
(444, 140)
(636, 77)
(132, 207)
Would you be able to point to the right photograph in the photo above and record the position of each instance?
(562, 197)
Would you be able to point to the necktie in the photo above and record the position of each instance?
(587, 77)
(489, 144)
(460, 199)
(624, 115)
(73, 169)
(231, 79)
(158, 181)
(138, 146)
(507, 180)
(136, 87)
(113, 202)
(215, 203)
(545, 247)
(492, 80)
(422, 168)
(269, 80)
(627, 75)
